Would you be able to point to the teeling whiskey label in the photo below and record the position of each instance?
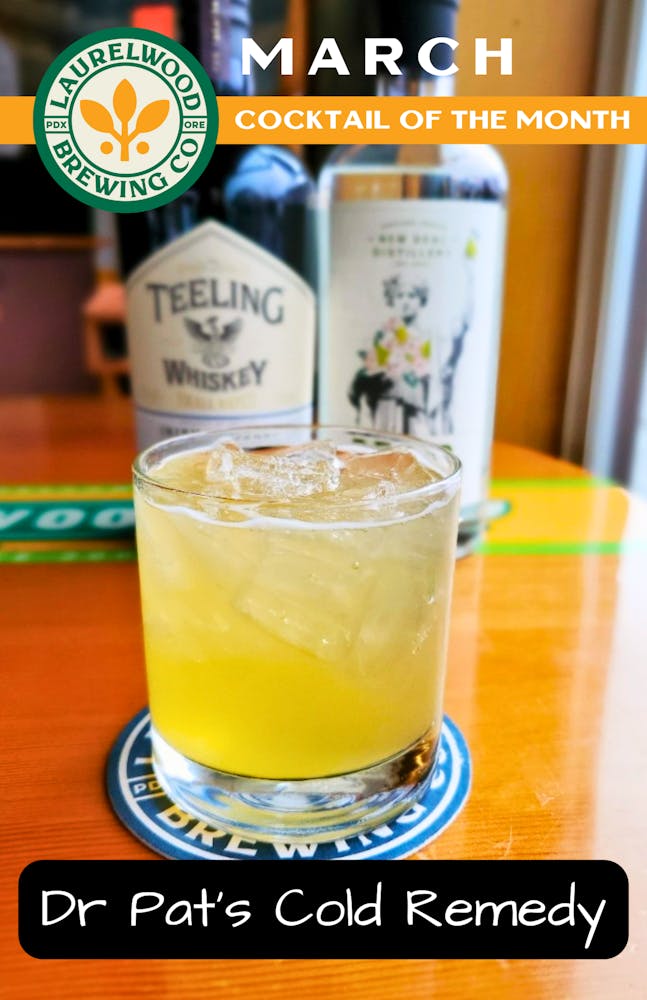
(220, 332)
(412, 324)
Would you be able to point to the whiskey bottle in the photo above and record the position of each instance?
(221, 314)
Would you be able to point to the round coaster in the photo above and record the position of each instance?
(148, 812)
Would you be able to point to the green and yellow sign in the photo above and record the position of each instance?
(125, 119)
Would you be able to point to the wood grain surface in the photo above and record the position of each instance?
(546, 679)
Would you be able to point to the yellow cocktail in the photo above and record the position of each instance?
(295, 603)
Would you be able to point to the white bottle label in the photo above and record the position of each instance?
(220, 333)
(412, 320)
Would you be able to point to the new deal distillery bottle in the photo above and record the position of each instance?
(411, 274)
(221, 316)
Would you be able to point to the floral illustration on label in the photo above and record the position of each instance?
(406, 380)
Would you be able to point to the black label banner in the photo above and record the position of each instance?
(356, 909)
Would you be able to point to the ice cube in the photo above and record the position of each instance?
(382, 474)
(400, 611)
(302, 471)
(307, 590)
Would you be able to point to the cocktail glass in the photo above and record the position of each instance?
(295, 588)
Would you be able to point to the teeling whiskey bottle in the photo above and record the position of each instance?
(221, 320)
(411, 273)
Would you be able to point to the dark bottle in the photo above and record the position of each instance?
(235, 249)
(411, 274)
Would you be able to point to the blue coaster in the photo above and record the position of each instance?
(148, 812)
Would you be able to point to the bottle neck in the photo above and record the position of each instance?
(415, 85)
(213, 30)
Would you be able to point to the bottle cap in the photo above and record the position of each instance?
(416, 21)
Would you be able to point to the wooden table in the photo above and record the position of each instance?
(546, 679)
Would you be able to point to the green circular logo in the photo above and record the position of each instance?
(125, 119)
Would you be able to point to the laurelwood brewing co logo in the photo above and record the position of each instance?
(125, 119)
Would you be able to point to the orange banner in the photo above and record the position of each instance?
(540, 120)
(325, 121)
(16, 120)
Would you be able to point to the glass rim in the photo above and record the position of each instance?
(445, 480)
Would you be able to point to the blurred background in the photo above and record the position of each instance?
(573, 372)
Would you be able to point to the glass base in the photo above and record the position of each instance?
(301, 810)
